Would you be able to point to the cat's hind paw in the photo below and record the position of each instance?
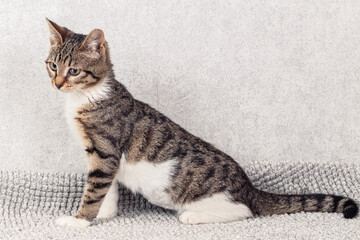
(189, 217)
(70, 221)
(193, 217)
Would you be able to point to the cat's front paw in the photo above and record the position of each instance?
(70, 221)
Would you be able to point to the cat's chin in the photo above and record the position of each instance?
(67, 91)
(64, 90)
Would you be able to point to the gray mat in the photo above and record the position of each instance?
(31, 201)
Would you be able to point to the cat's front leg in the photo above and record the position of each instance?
(109, 206)
(100, 178)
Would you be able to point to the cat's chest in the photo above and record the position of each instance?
(150, 180)
(76, 102)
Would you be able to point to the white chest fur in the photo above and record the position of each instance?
(149, 179)
(72, 106)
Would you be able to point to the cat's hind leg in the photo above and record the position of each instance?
(214, 209)
(109, 207)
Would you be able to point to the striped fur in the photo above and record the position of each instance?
(128, 141)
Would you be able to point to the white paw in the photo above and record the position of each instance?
(189, 217)
(107, 212)
(70, 221)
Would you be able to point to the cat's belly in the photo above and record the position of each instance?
(148, 179)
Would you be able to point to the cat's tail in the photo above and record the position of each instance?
(265, 203)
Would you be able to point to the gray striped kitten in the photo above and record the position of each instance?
(128, 141)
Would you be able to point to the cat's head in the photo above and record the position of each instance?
(76, 61)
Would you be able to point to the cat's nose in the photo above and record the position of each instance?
(58, 85)
(59, 82)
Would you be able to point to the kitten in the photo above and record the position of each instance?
(129, 142)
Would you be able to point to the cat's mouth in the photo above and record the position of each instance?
(63, 87)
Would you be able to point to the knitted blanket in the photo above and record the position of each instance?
(31, 201)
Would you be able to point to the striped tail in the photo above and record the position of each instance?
(265, 203)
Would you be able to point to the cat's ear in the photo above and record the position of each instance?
(58, 34)
(94, 44)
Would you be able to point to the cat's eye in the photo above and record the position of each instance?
(53, 66)
(74, 71)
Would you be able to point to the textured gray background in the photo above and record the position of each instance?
(262, 80)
